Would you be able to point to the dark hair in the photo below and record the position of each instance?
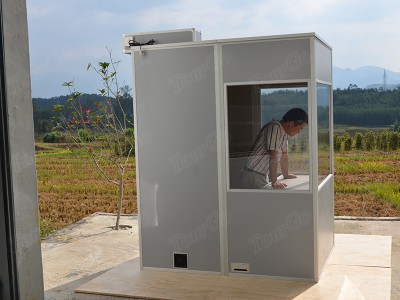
(297, 115)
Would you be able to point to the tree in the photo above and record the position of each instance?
(103, 129)
(347, 141)
(352, 87)
(395, 126)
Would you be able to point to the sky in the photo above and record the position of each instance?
(64, 36)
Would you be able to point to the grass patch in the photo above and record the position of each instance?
(46, 228)
(350, 188)
(388, 191)
(345, 157)
(358, 167)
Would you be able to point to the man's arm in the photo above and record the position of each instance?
(273, 170)
(284, 166)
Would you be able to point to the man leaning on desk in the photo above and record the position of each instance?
(262, 163)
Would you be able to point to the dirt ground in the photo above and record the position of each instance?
(363, 205)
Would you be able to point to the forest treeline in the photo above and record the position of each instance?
(352, 106)
(366, 107)
(43, 112)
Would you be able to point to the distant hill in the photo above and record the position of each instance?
(380, 85)
(364, 77)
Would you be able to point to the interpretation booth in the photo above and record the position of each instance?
(198, 108)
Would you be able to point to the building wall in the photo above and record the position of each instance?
(23, 170)
(4, 270)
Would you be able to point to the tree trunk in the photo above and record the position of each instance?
(121, 194)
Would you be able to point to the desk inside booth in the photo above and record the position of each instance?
(301, 183)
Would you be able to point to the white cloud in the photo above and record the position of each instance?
(210, 17)
(39, 9)
(291, 11)
(361, 43)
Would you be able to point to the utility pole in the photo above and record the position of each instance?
(384, 80)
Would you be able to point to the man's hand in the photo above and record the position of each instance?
(281, 185)
(290, 176)
(278, 185)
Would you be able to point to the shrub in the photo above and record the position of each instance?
(126, 143)
(358, 141)
(84, 135)
(382, 140)
(129, 132)
(337, 142)
(303, 143)
(347, 143)
(54, 137)
(394, 140)
(369, 141)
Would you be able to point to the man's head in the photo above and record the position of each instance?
(294, 121)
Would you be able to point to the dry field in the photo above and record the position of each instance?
(70, 189)
(366, 184)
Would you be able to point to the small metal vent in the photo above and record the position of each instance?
(180, 260)
(240, 267)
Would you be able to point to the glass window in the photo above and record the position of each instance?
(268, 136)
(324, 152)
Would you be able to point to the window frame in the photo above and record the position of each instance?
(303, 83)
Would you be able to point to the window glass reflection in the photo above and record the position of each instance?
(268, 136)
(324, 153)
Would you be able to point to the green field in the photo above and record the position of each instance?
(353, 129)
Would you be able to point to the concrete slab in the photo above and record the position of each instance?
(377, 226)
(353, 266)
(362, 250)
(63, 272)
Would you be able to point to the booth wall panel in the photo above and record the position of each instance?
(325, 224)
(323, 62)
(177, 158)
(266, 61)
(273, 232)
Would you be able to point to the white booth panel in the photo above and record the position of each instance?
(325, 224)
(161, 37)
(266, 60)
(323, 61)
(272, 233)
(177, 158)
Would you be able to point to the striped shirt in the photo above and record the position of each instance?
(271, 137)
